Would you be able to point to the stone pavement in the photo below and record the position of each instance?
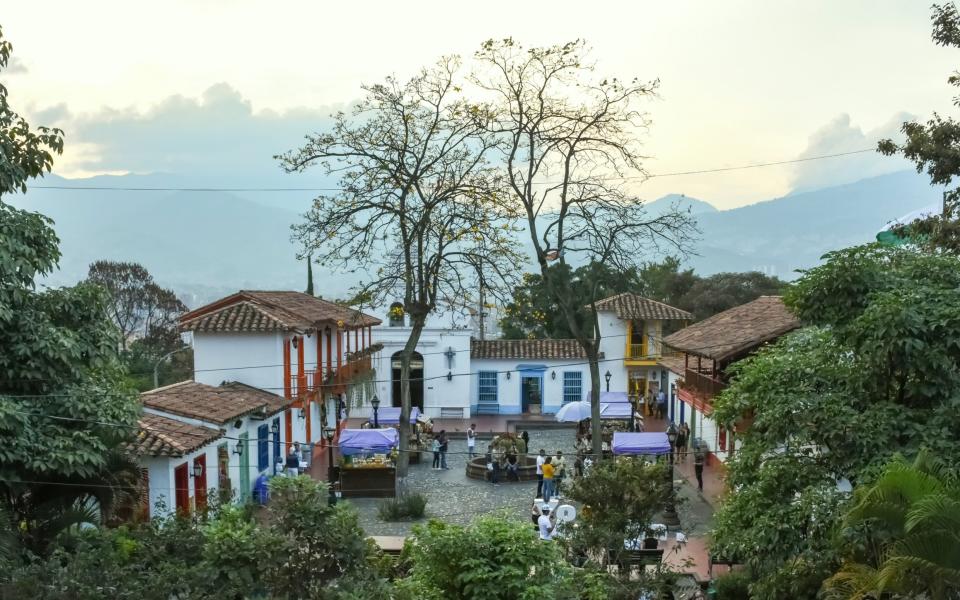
(453, 498)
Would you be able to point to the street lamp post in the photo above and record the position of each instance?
(156, 365)
(332, 495)
(375, 403)
(670, 517)
(608, 376)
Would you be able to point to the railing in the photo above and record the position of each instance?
(324, 380)
(701, 384)
(651, 350)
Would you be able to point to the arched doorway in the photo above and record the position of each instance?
(416, 379)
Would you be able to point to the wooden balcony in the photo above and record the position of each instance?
(701, 384)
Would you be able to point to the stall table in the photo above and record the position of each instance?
(367, 462)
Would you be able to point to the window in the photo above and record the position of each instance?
(263, 448)
(572, 386)
(488, 387)
(722, 439)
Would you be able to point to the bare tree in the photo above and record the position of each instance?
(417, 205)
(567, 142)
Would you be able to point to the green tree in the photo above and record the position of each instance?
(708, 296)
(533, 313)
(59, 373)
(665, 282)
(910, 519)
(490, 559)
(873, 373)
(933, 147)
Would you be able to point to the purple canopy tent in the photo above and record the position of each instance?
(616, 410)
(357, 441)
(640, 443)
(615, 397)
(391, 415)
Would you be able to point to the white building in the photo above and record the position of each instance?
(455, 376)
(315, 353)
(197, 439)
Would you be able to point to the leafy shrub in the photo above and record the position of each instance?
(407, 506)
(733, 585)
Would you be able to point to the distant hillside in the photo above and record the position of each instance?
(207, 244)
(781, 235)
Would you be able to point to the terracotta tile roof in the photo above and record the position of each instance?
(527, 349)
(163, 436)
(250, 310)
(632, 306)
(673, 363)
(735, 331)
(212, 404)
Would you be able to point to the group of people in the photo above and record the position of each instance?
(439, 446)
(294, 458)
(550, 473)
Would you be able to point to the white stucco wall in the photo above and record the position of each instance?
(438, 392)
(613, 343)
(162, 484)
(252, 358)
(509, 390)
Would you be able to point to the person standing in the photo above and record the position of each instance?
(513, 468)
(471, 440)
(548, 473)
(435, 446)
(681, 443)
(546, 524)
(559, 472)
(526, 441)
(662, 404)
(293, 462)
(443, 449)
(540, 458)
(698, 460)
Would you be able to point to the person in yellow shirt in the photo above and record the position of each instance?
(548, 470)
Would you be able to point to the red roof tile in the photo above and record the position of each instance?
(250, 310)
(163, 436)
(736, 331)
(632, 306)
(212, 404)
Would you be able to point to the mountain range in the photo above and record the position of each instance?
(207, 244)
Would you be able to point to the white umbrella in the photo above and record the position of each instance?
(574, 412)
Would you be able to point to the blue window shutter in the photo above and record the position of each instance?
(572, 386)
(263, 448)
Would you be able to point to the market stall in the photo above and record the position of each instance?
(614, 416)
(419, 423)
(640, 444)
(368, 462)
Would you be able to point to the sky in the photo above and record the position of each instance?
(218, 87)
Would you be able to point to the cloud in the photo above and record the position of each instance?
(15, 67)
(216, 135)
(841, 135)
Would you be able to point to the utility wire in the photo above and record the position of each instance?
(314, 363)
(338, 189)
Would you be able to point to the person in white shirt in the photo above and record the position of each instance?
(471, 440)
(540, 459)
(546, 524)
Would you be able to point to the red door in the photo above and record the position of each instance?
(181, 483)
(200, 483)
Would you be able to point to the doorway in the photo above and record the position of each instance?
(531, 394)
(416, 380)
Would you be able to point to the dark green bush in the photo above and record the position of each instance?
(733, 585)
(408, 506)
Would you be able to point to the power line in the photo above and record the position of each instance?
(321, 364)
(338, 189)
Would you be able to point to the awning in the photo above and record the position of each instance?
(357, 441)
(625, 443)
(609, 397)
(390, 415)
